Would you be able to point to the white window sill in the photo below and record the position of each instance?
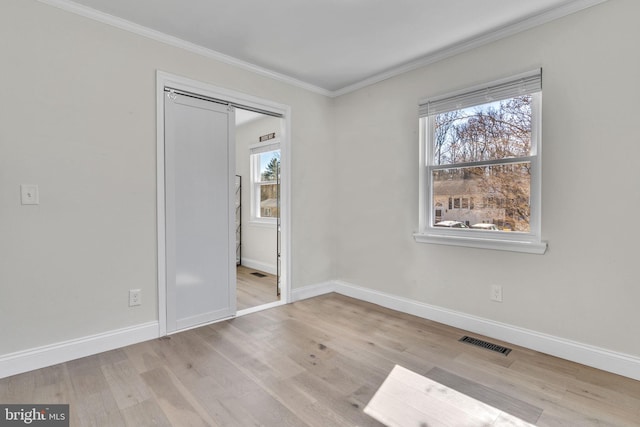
(483, 243)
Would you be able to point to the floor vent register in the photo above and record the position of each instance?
(486, 345)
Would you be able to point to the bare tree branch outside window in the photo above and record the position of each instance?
(490, 132)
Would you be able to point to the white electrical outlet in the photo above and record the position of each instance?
(135, 297)
(496, 293)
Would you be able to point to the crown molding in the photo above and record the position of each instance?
(522, 25)
(149, 33)
(568, 8)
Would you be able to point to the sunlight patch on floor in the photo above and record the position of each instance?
(406, 399)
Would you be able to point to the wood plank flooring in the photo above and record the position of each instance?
(252, 290)
(316, 362)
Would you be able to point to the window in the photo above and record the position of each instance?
(483, 144)
(265, 182)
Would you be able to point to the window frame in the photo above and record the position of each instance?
(527, 242)
(255, 151)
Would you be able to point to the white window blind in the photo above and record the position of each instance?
(264, 147)
(511, 87)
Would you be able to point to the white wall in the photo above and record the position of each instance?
(259, 240)
(78, 118)
(586, 287)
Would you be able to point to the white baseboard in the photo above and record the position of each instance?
(260, 266)
(606, 360)
(40, 357)
(312, 291)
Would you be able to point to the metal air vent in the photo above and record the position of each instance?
(484, 344)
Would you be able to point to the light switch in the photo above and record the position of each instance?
(29, 194)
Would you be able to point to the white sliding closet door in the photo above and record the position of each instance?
(200, 231)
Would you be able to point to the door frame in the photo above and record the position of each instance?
(164, 80)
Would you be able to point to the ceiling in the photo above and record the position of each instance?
(330, 46)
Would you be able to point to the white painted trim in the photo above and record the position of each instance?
(311, 291)
(258, 308)
(163, 80)
(40, 357)
(160, 208)
(607, 360)
(158, 36)
(596, 357)
(285, 207)
(258, 265)
(457, 48)
(233, 96)
(522, 246)
(475, 42)
(504, 241)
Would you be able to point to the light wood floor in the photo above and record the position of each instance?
(316, 362)
(252, 291)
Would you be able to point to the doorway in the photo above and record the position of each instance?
(168, 84)
(258, 164)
